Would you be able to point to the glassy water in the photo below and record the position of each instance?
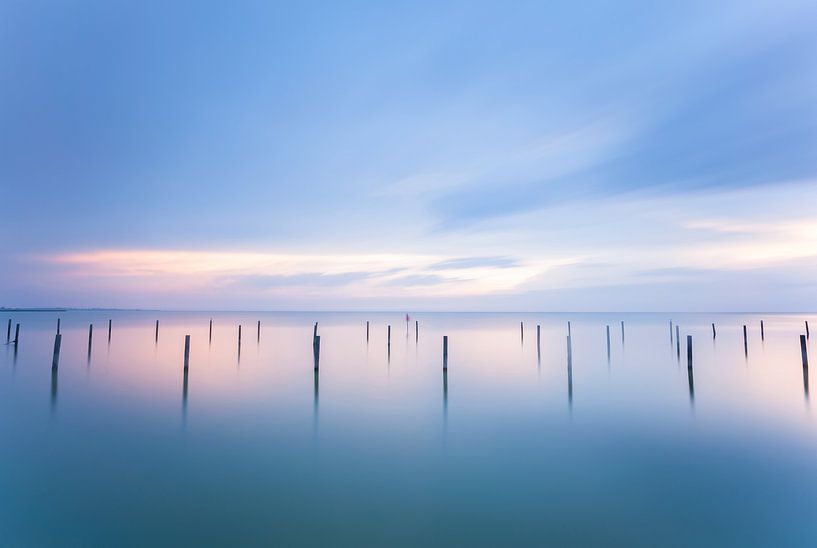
(512, 446)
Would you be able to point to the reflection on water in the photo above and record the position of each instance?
(516, 453)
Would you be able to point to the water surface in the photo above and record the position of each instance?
(512, 446)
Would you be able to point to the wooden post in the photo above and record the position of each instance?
(804, 351)
(608, 342)
(55, 361)
(670, 333)
(186, 352)
(16, 334)
(568, 328)
(58, 326)
(315, 330)
(367, 330)
(8, 332)
(622, 331)
(416, 330)
(745, 342)
(90, 337)
(109, 330)
(538, 336)
(714, 334)
(388, 337)
(259, 331)
(211, 330)
(689, 351)
(522, 330)
(445, 352)
(316, 349)
(762, 332)
(569, 352)
(239, 336)
(157, 331)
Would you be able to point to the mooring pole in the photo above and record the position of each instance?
(445, 352)
(109, 330)
(714, 334)
(745, 342)
(804, 351)
(316, 349)
(90, 337)
(367, 330)
(689, 351)
(157, 331)
(762, 331)
(55, 360)
(186, 352)
(211, 331)
(16, 334)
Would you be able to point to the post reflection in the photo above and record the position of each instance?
(184, 394)
(691, 380)
(805, 381)
(53, 390)
(445, 397)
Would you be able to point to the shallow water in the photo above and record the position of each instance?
(510, 447)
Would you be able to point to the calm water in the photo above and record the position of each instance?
(510, 448)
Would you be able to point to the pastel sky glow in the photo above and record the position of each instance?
(409, 155)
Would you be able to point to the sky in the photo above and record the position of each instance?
(463, 156)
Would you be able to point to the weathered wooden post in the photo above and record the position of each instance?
(316, 349)
(388, 337)
(258, 339)
(186, 352)
(804, 351)
(367, 330)
(689, 351)
(538, 336)
(622, 331)
(762, 332)
(522, 331)
(90, 337)
(416, 330)
(714, 334)
(55, 360)
(16, 335)
(109, 330)
(211, 331)
(239, 336)
(58, 326)
(608, 342)
(157, 331)
(745, 342)
(445, 352)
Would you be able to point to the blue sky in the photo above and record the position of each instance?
(409, 155)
